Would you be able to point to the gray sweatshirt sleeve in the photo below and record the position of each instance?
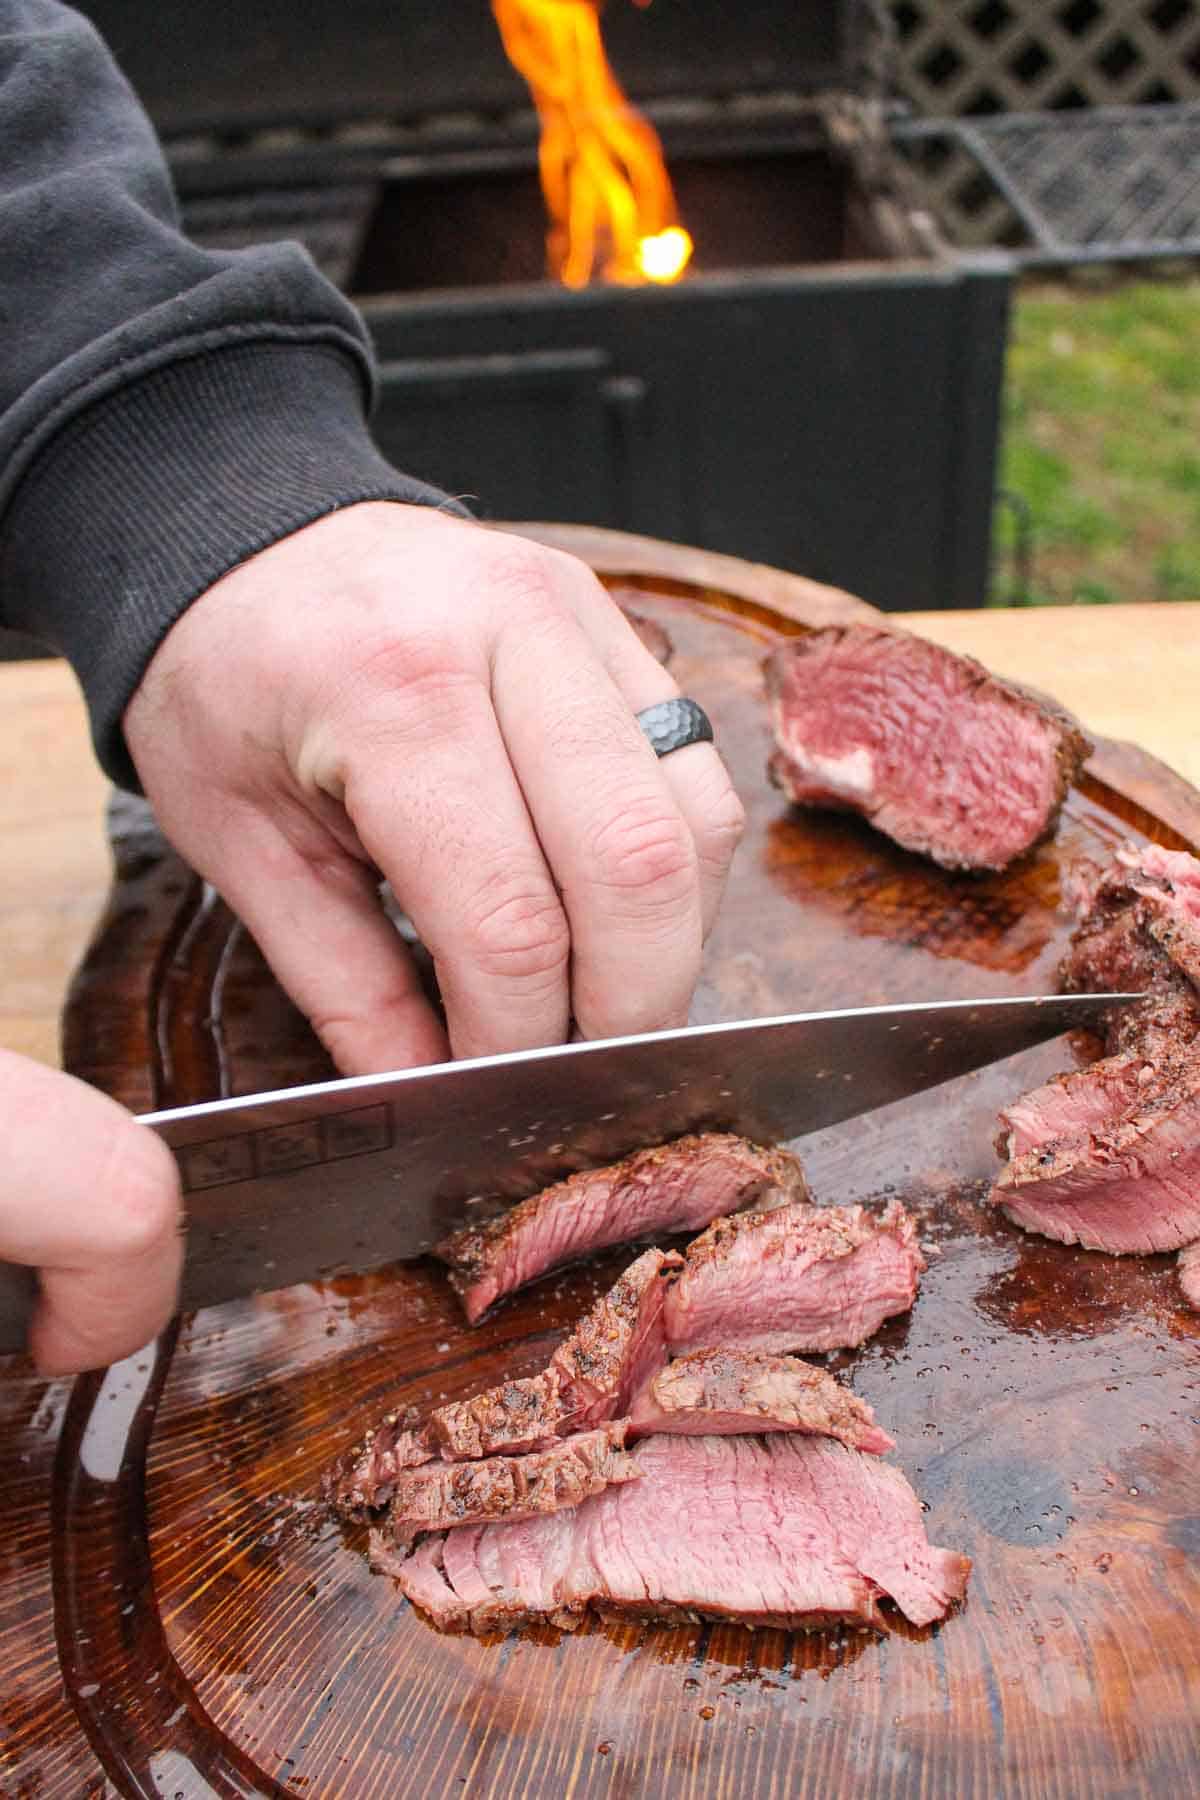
(165, 411)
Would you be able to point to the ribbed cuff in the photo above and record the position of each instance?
(148, 497)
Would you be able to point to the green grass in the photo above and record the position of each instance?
(1102, 442)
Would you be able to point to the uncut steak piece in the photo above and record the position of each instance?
(616, 1349)
(796, 1278)
(1189, 1275)
(943, 757)
(1108, 1156)
(443, 1494)
(790, 1530)
(735, 1392)
(679, 1186)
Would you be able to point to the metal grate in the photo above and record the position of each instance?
(987, 58)
(1114, 184)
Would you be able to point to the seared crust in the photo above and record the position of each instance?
(677, 1186)
(1107, 1156)
(441, 1494)
(732, 1392)
(362, 1479)
(616, 1349)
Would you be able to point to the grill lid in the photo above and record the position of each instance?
(229, 67)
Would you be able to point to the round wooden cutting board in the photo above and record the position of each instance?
(180, 1618)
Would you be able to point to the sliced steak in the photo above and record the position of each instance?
(791, 1530)
(620, 1345)
(443, 1494)
(617, 1347)
(1189, 1274)
(679, 1186)
(511, 1418)
(1139, 926)
(364, 1478)
(735, 1392)
(1108, 1156)
(796, 1278)
(941, 756)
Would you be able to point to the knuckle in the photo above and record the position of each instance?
(423, 667)
(140, 1185)
(646, 854)
(341, 1035)
(530, 583)
(519, 935)
(403, 695)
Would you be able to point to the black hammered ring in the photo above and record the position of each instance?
(673, 724)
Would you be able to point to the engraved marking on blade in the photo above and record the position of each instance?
(297, 1145)
(288, 1147)
(219, 1161)
(356, 1133)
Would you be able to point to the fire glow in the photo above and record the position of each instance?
(605, 183)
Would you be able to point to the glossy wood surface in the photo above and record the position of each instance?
(179, 1617)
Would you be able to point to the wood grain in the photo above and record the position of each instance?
(56, 866)
(218, 1634)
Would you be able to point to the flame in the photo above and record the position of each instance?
(606, 185)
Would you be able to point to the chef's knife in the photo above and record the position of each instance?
(346, 1175)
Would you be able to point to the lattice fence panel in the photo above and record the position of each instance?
(986, 56)
(979, 57)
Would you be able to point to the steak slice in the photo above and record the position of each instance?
(791, 1530)
(1139, 928)
(679, 1186)
(443, 1494)
(728, 1393)
(511, 1418)
(796, 1278)
(364, 1478)
(938, 754)
(1108, 1156)
(1189, 1274)
(618, 1345)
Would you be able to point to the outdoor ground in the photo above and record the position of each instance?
(1102, 443)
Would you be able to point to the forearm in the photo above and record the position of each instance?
(165, 411)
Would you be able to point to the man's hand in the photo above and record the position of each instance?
(394, 692)
(91, 1199)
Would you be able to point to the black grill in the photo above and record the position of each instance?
(821, 392)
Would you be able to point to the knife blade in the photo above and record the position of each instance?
(343, 1176)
